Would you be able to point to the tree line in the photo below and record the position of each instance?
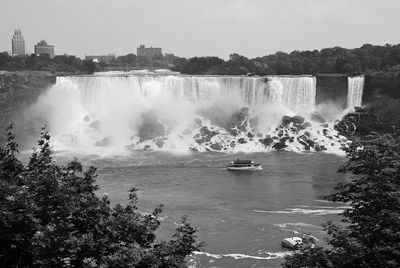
(33, 62)
(73, 64)
(336, 60)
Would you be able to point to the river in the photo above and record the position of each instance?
(241, 216)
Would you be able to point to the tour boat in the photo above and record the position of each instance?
(245, 165)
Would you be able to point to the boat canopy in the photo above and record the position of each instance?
(238, 161)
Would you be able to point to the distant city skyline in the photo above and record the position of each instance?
(191, 28)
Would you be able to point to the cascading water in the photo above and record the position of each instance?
(178, 113)
(297, 93)
(355, 91)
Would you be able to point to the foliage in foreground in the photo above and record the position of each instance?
(51, 217)
(370, 235)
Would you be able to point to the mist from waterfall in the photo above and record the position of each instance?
(100, 113)
(355, 91)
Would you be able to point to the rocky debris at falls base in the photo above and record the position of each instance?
(360, 123)
(241, 134)
(205, 135)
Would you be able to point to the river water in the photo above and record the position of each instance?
(242, 217)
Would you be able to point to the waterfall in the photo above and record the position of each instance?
(97, 93)
(355, 91)
(297, 93)
(104, 111)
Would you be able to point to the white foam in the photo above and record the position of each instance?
(317, 212)
(106, 109)
(301, 224)
(238, 256)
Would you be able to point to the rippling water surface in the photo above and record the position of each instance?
(242, 217)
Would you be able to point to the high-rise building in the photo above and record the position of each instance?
(18, 43)
(43, 48)
(148, 52)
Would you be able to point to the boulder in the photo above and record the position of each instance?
(267, 141)
(242, 141)
(147, 147)
(205, 135)
(284, 139)
(250, 135)
(159, 143)
(319, 148)
(306, 125)
(232, 144)
(279, 146)
(298, 119)
(311, 143)
(305, 141)
(216, 146)
(295, 129)
(204, 131)
(234, 132)
(286, 120)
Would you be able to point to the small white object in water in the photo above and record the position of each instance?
(294, 242)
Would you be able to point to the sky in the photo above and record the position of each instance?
(191, 28)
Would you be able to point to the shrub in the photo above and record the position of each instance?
(52, 217)
(370, 235)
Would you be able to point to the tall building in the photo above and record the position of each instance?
(148, 52)
(18, 43)
(43, 48)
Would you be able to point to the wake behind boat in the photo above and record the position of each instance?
(243, 165)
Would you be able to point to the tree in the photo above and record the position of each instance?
(52, 217)
(370, 235)
(88, 66)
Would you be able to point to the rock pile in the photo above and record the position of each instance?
(358, 123)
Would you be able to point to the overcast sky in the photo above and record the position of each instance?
(199, 27)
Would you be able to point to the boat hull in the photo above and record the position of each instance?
(245, 168)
